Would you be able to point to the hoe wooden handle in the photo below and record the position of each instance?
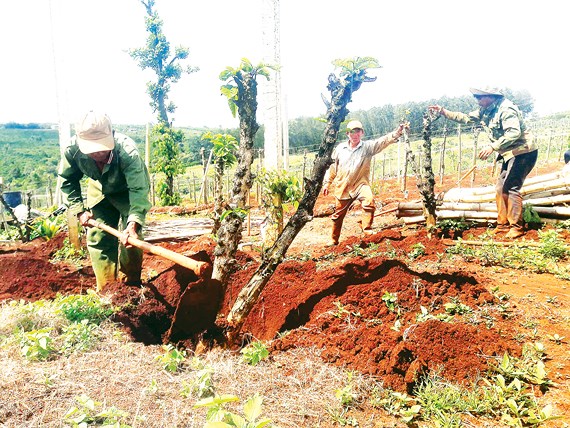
(194, 265)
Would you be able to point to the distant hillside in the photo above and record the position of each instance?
(28, 157)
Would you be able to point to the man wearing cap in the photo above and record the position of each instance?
(514, 144)
(350, 172)
(117, 193)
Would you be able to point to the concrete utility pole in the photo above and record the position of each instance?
(274, 107)
(64, 127)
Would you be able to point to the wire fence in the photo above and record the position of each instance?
(454, 154)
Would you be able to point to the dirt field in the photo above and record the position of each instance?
(331, 298)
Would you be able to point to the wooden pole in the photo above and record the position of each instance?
(560, 147)
(498, 243)
(152, 190)
(248, 217)
(471, 170)
(459, 155)
(548, 147)
(405, 172)
(147, 147)
(442, 156)
(476, 132)
(194, 189)
(399, 163)
(203, 188)
(73, 230)
(304, 166)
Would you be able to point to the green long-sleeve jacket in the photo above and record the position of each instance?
(504, 125)
(124, 179)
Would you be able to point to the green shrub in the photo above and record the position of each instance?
(254, 353)
(88, 306)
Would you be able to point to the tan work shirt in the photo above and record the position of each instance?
(351, 166)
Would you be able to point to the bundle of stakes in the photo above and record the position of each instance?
(548, 195)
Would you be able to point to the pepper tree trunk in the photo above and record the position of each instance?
(219, 197)
(230, 231)
(341, 94)
(427, 183)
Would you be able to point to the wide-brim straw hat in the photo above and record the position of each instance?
(487, 90)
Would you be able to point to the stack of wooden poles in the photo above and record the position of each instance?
(548, 194)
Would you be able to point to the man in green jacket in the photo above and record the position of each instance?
(515, 146)
(117, 194)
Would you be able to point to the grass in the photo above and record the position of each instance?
(550, 257)
(109, 379)
(125, 375)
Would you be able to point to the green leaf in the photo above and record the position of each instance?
(252, 407)
(216, 400)
(238, 421)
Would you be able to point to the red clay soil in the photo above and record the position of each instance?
(339, 309)
(332, 302)
(25, 272)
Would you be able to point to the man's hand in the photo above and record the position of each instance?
(84, 217)
(403, 127)
(437, 109)
(485, 152)
(129, 232)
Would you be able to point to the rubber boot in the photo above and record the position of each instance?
(130, 265)
(335, 235)
(103, 251)
(367, 220)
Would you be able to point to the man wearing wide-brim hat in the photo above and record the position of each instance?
(117, 194)
(515, 146)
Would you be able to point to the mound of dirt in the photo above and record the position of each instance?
(340, 308)
(361, 312)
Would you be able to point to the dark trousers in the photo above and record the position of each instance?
(509, 183)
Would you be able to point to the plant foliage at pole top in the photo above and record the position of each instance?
(356, 65)
(234, 77)
(156, 56)
(351, 75)
(225, 147)
(282, 184)
(166, 160)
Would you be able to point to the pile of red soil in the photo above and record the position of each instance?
(332, 302)
(26, 272)
(339, 308)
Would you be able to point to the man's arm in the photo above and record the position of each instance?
(388, 139)
(456, 116)
(138, 184)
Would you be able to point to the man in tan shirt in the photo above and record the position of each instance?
(350, 173)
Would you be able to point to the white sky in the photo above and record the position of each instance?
(427, 49)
